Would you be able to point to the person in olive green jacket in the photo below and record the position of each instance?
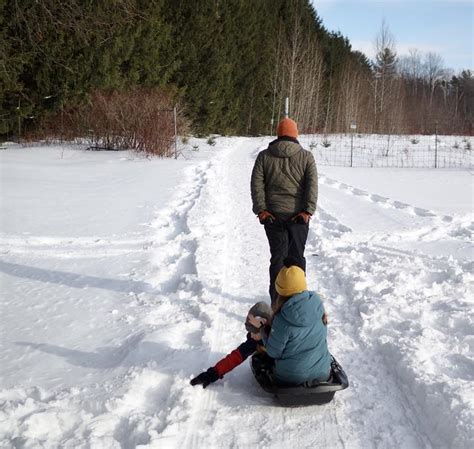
(284, 189)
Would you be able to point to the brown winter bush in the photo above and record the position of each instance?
(139, 119)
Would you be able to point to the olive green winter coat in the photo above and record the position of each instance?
(284, 179)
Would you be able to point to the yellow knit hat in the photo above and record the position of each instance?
(290, 281)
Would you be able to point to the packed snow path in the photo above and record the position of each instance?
(399, 324)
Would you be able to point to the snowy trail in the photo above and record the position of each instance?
(233, 279)
(233, 276)
(374, 413)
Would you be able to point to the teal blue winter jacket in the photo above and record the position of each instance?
(297, 340)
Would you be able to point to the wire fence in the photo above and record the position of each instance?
(404, 151)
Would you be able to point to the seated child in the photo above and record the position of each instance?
(296, 340)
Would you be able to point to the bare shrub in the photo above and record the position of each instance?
(139, 119)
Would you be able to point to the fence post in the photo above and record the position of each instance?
(353, 127)
(352, 146)
(388, 145)
(436, 145)
(175, 133)
(18, 110)
(62, 121)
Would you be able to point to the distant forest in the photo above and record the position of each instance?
(227, 64)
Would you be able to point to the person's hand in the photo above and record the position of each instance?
(266, 217)
(256, 321)
(302, 217)
(256, 336)
(325, 319)
(205, 378)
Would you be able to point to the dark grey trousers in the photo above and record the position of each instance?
(286, 238)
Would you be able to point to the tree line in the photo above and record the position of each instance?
(229, 64)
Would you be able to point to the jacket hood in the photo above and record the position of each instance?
(284, 147)
(302, 309)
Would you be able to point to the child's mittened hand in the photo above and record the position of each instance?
(205, 378)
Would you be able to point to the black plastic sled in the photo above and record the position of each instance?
(308, 393)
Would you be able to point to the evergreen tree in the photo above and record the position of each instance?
(463, 90)
(231, 62)
(386, 63)
(10, 66)
(69, 48)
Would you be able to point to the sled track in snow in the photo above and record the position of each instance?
(427, 226)
(183, 238)
(240, 262)
(210, 222)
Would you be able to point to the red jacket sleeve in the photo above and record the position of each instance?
(236, 357)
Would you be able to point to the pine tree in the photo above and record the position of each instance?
(232, 63)
(386, 63)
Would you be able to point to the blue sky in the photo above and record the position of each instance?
(441, 26)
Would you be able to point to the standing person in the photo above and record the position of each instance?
(284, 189)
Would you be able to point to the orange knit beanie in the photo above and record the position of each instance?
(287, 127)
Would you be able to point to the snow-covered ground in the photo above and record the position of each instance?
(122, 277)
